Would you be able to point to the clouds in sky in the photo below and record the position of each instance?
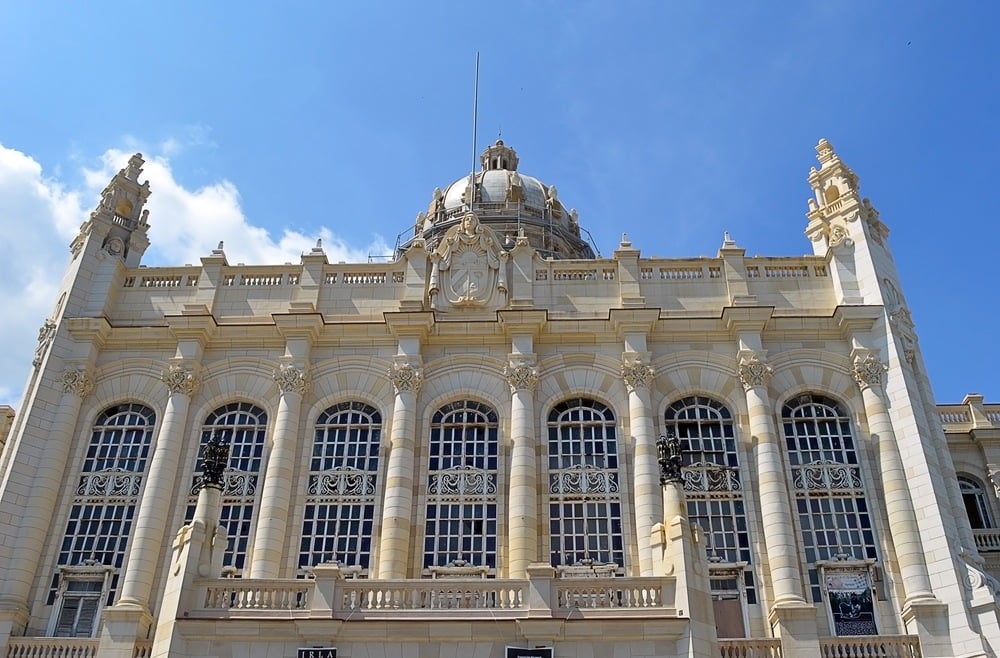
(41, 213)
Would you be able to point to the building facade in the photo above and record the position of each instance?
(459, 452)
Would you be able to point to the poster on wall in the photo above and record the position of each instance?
(851, 603)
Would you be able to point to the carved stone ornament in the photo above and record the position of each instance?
(876, 228)
(180, 380)
(115, 247)
(78, 381)
(46, 333)
(406, 377)
(521, 377)
(839, 236)
(754, 372)
(636, 374)
(468, 268)
(291, 379)
(868, 371)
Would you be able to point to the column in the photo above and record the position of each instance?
(522, 509)
(397, 513)
(275, 499)
(779, 532)
(647, 494)
(154, 509)
(868, 373)
(47, 481)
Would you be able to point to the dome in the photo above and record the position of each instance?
(510, 203)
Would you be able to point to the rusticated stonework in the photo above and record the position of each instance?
(868, 371)
(78, 381)
(636, 374)
(291, 379)
(521, 377)
(754, 372)
(406, 377)
(180, 380)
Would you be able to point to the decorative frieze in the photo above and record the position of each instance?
(78, 381)
(291, 379)
(180, 380)
(868, 371)
(406, 377)
(520, 376)
(754, 372)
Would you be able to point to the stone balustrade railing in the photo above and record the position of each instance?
(768, 647)
(868, 646)
(255, 596)
(987, 540)
(51, 647)
(614, 593)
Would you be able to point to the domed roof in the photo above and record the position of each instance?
(510, 203)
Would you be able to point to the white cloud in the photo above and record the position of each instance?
(41, 215)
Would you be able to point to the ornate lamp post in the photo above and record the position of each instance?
(214, 459)
(668, 451)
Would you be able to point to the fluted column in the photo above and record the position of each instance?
(397, 512)
(779, 531)
(647, 493)
(154, 509)
(522, 519)
(275, 500)
(47, 481)
(868, 373)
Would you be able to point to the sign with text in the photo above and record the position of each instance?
(318, 652)
(537, 652)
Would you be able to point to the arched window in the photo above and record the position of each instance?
(585, 512)
(461, 521)
(976, 505)
(94, 544)
(713, 487)
(242, 427)
(827, 483)
(340, 498)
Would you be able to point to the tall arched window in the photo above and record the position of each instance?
(585, 512)
(713, 487)
(340, 498)
(976, 505)
(242, 427)
(829, 489)
(94, 544)
(461, 522)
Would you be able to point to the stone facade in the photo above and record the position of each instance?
(459, 451)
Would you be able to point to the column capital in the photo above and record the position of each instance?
(753, 370)
(291, 379)
(180, 379)
(77, 380)
(868, 371)
(406, 375)
(636, 373)
(521, 374)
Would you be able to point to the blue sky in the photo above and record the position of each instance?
(267, 125)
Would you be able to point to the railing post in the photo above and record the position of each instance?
(540, 577)
(325, 591)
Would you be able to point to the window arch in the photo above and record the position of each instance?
(977, 506)
(713, 483)
(340, 499)
(242, 427)
(461, 512)
(585, 515)
(93, 549)
(827, 483)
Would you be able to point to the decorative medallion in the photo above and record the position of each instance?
(115, 247)
(46, 334)
(636, 374)
(754, 372)
(291, 379)
(406, 377)
(78, 381)
(180, 380)
(520, 377)
(868, 371)
(468, 268)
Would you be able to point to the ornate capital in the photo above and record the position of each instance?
(753, 372)
(406, 377)
(291, 379)
(636, 374)
(520, 376)
(78, 381)
(180, 380)
(868, 371)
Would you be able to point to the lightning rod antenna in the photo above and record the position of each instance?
(475, 122)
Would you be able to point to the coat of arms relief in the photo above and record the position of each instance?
(468, 268)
